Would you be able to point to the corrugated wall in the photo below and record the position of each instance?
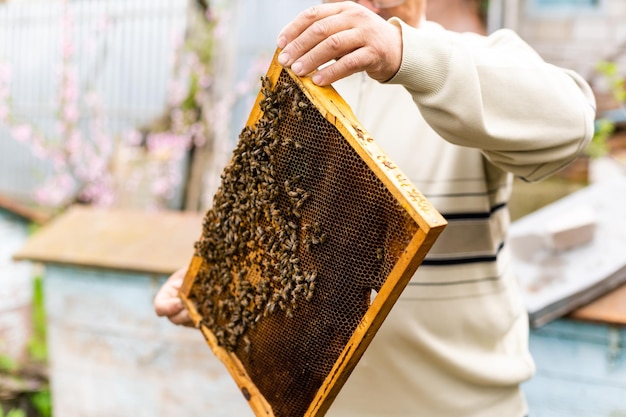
(123, 51)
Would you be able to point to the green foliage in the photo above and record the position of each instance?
(12, 413)
(611, 72)
(7, 364)
(604, 128)
(37, 346)
(42, 401)
(598, 147)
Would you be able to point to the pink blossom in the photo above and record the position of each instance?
(4, 112)
(221, 28)
(167, 143)
(133, 137)
(161, 187)
(22, 133)
(178, 92)
(98, 193)
(205, 81)
(56, 190)
(82, 153)
(70, 113)
(39, 150)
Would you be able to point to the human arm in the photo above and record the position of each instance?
(168, 304)
(495, 93)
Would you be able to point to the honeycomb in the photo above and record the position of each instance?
(300, 240)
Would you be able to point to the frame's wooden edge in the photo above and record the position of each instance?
(233, 365)
(190, 276)
(273, 73)
(338, 112)
(372, 320)
(248, 389)
(334, 108)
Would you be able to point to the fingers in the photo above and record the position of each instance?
(319, 35)
(357, 58)
(320, 42)
(175, 312)
(301, 22)
(181, 318)
(168, 304)
(356, 37)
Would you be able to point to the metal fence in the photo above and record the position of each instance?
(122, 52)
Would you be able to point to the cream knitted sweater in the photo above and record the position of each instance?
(468, 113)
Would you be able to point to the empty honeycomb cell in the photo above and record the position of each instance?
(301, 232)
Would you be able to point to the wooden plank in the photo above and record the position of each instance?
(131, 240)
(610, 308)
(37, 215)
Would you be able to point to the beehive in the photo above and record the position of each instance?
(312, 236)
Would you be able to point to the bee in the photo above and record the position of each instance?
(271, 306)
(246, 344)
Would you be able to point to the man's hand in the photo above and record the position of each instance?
(168, 304)
(356, 37)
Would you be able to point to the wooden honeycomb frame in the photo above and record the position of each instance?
(430, 224)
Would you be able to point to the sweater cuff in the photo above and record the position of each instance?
(426, 56)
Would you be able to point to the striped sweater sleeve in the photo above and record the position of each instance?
(496, 94)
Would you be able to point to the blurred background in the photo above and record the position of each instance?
(110, 108)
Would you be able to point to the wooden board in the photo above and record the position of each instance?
(609, 309)
(554, 283)
(158, 242)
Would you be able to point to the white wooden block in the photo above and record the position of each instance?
(574, 227)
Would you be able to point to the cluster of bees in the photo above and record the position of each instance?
(254, 233)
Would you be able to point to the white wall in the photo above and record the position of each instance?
(575, 38)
